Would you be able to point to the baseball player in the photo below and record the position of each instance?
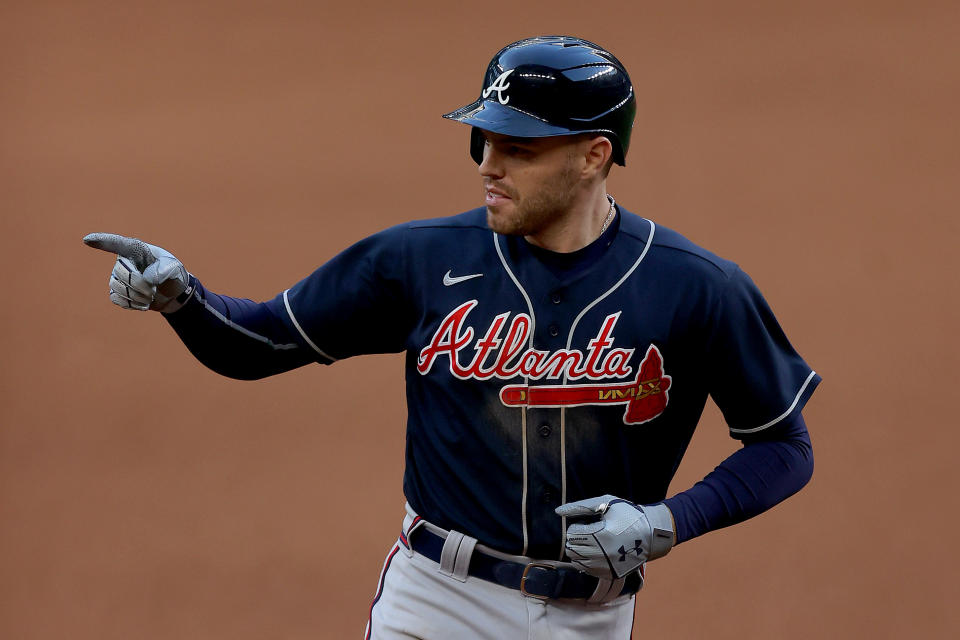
(559, 353)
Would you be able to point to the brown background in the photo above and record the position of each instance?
(142, 496)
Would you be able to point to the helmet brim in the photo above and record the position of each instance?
(490, 115)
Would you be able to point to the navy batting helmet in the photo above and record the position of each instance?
(552, 86)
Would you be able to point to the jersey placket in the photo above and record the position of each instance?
(544, 434)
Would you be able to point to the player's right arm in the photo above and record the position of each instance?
(235, 337)
(356, 303)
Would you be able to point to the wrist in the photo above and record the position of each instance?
(664, 530)
(183, 297)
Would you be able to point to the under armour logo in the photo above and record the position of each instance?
(638, 547)
(499, 86)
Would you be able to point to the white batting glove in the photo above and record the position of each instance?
(625, 536)
(144, 276)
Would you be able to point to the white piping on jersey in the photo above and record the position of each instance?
(783, 415)
(523, 414)
(563, 479)
(523, 494)
(643, 254)
(533, 319)
(286, 303)
(563, 411)
(250, 334)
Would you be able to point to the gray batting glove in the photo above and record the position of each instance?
(624, 537)
(144, 276)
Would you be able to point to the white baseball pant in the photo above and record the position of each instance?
(415, 600)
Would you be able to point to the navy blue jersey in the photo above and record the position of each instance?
(531, 385)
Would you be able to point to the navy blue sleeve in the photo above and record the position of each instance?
(772, 466)
(761, 384)
(236, 337)
(357, 303)
(758, 378)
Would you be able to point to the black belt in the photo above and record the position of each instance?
(536, 579)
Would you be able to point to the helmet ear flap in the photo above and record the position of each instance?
(618, 152)
(477, 142)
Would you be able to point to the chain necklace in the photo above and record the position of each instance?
(606, 221)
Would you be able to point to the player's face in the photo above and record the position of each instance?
(528, 183)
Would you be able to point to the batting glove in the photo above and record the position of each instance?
(625, 536)
(144, 276)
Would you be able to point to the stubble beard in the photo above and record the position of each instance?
(532, 214)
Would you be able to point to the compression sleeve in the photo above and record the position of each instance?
(236, 337)
(769, 468)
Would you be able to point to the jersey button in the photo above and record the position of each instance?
(545, 430)
(555, 297)
(547, 497)
(554, 330)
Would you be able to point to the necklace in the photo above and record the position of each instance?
(606, 221)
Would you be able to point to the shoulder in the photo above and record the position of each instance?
(417, 232)
(671, 250)
(475, 219)
(467, 225)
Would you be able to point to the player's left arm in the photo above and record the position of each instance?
(761, 384)
(770, 467)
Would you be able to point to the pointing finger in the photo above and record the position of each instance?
(111, 242)
(132, 248)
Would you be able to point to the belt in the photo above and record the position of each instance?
(535, 579)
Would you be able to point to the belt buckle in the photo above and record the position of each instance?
(523, 579)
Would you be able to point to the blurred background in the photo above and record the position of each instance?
(142, 496)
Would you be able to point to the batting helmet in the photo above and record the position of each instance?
(552, 86)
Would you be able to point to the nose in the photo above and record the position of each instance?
(491, 167)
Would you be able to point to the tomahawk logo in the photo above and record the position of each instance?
(646, 397)
(499, 85)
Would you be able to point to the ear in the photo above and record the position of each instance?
(597, 152)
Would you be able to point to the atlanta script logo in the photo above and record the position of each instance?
(503, 352)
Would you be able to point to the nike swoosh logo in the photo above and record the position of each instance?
(449, 280)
